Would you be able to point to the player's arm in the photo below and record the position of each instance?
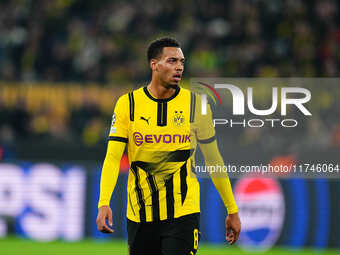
(205, 135)
(108, 180)
(116, 144)
(213, 157)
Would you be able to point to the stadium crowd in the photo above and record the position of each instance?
(87, 41)
(84, 40)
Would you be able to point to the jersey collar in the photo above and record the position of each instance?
(163, 99)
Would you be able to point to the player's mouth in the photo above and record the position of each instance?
(177, 77)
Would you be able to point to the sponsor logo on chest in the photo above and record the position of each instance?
(139, 138)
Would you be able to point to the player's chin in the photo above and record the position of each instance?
(173, 84)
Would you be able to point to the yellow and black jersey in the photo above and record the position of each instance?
(161, 135)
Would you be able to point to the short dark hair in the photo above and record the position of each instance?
(155, 48)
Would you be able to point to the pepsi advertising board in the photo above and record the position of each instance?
(262, 210)
(45, 202)
(42, 201)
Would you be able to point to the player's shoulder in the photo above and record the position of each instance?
(123, 99)
(128, 96)
(138, 92)
(193, 95)
(189, 93)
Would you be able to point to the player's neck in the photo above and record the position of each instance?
(159, 91)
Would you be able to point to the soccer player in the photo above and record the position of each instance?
(161, 125)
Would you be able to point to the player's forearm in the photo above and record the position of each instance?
(223, 187)
(110, 171)
(213, 157)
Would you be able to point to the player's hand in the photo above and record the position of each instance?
(104, 213)
(233, 227)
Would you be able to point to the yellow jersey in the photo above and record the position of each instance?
(161, 135)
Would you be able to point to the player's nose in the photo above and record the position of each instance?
(179, 67)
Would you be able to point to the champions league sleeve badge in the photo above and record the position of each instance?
(113, 129)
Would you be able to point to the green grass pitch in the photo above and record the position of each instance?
(17, 246)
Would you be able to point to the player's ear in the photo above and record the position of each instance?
(153, 64)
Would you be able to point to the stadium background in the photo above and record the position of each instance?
(63, 64)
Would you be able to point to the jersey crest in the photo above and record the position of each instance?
(178, 118)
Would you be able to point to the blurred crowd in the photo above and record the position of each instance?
(63, 113)
(105, 41)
